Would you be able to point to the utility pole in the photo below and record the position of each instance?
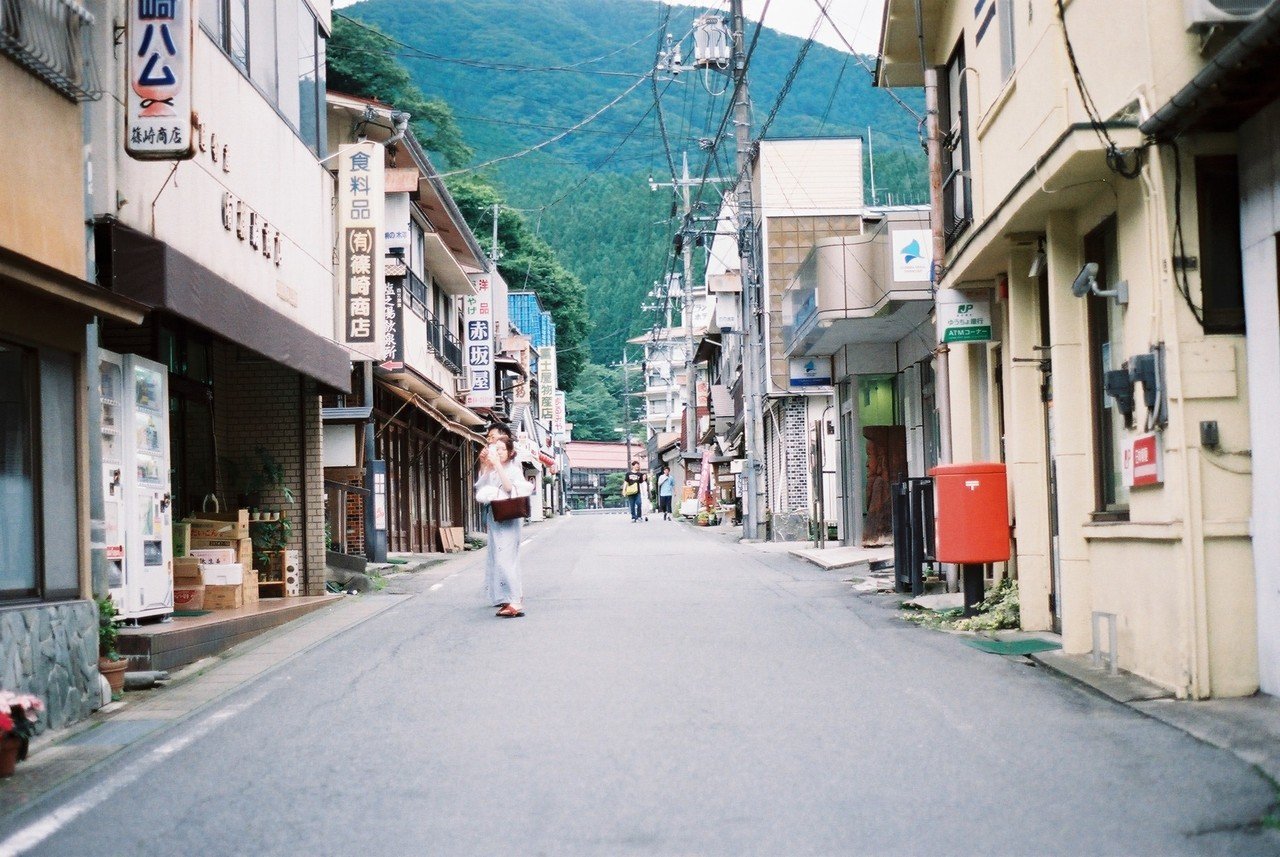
(751, 344)
(871, 159)
(626, 402)
(686, 252)
(493, 250)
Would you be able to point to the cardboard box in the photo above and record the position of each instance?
(209, 556)
(222, 574)
(223, 597)
(243, 548)
(186, 571)
(220, 525)
(181, 538)
(188, 597)
(249, 589)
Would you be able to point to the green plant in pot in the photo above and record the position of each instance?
(110, 663)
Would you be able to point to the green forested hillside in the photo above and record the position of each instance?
(517, 72)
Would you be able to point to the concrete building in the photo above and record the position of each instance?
(1106, 258)
(805, 191)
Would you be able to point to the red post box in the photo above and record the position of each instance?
(973, 513)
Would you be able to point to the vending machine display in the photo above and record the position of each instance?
(135, 444)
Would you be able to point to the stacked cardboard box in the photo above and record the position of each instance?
(188, 584)
(221, 543)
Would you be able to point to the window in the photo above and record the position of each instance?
(279, 45)
(1221, 272)
(18, 556)
(953, 121)
(37, 474)
(1008, 51)
(49, 40)
(1106, 352)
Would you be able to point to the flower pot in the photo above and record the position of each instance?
(10, 750)
(113, 672)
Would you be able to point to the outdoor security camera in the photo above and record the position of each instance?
(1086, 280)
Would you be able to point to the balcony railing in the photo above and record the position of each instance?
(443, 343)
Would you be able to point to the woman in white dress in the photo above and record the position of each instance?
(500, 479)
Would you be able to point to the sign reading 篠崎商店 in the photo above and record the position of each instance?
(158, 103)
(477, 318)
(361, 269)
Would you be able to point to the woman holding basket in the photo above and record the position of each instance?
(499, 487)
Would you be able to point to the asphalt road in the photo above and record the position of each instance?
(668, 693)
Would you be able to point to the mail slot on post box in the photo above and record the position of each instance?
(973, 513)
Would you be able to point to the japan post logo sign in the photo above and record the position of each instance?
(158, 102)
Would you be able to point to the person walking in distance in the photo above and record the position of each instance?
(632, 487)
(501, 479)
(666, 488)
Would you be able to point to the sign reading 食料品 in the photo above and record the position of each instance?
(963, 316)
(546, 382)
(361, 271)
(158, 103)
(478, 355)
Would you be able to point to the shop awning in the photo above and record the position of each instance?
(25, 273)
(152, 273)
(430, 410)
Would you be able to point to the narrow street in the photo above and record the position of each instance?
(669, 692)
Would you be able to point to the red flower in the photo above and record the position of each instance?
(6, 722)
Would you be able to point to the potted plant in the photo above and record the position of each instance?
(110, 664)
(19, 714)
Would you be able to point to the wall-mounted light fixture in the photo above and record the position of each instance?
(1038, 262)
(1086, 282)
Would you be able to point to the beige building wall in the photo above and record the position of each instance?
(41, 172)
(1177, 574)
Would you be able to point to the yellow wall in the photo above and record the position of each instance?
(41, 172)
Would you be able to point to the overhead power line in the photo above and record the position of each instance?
(630, 89)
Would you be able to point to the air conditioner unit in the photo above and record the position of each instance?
(462, 384)
(1208, 13)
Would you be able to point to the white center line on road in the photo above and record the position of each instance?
(33, 834)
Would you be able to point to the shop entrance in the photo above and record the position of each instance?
(883, 441)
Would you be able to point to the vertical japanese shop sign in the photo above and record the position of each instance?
(559, 428)
(478, 320)
(158, 105)
(546, 382)
(361, 273)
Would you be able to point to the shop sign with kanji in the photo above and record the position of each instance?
(478, 327)
(359, 313)
(158, 103)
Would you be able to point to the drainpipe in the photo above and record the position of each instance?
(942, 373)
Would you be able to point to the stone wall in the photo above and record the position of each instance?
(51, 650)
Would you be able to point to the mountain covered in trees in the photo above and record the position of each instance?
(494, 78)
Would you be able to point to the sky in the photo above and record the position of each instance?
(858, 20)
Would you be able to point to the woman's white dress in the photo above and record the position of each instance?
(502, 567)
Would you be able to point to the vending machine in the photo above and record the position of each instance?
(134, 398)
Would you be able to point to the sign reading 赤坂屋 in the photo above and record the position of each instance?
(963, 316)
(158, 103)
(360, 314)
(546, 382)
(477, 317)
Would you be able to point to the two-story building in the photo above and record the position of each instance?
(401, 450)
(49, 493)
(1099, 215)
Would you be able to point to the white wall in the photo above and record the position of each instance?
(268, 168)
(1260, 223)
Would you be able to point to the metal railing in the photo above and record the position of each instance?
(443, 343)
(913, 533)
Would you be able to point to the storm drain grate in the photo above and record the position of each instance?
(117, 733)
